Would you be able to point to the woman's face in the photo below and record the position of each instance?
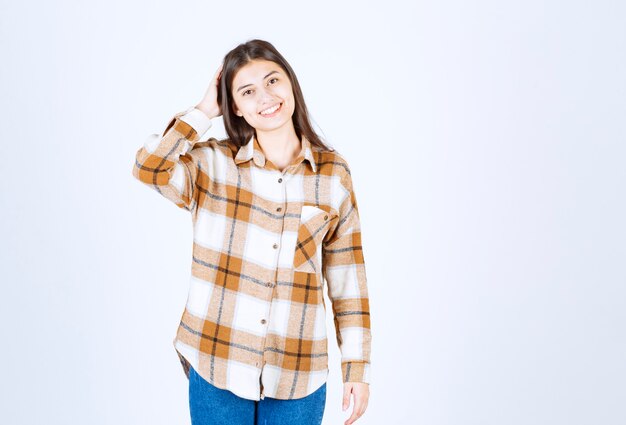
(260, 86)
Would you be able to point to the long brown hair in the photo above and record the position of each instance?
(238, 130)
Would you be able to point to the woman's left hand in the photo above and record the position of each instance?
(361, 392)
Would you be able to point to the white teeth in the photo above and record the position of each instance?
(270, 110)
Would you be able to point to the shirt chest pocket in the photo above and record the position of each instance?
(314, 223)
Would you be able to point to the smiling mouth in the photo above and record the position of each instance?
(274, 110)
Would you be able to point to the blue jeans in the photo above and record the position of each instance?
(210, 405)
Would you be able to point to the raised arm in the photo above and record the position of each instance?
(167, 163)
(344, 270)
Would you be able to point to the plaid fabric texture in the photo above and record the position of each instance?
(264, 243)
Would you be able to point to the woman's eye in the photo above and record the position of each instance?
(249, 90)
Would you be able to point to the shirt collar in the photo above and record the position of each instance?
(252, 150)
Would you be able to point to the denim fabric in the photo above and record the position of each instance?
(209, 405)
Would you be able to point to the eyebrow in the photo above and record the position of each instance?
(246, 85)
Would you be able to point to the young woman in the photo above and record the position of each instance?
(274, 216)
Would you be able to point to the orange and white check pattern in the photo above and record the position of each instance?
(264, 242)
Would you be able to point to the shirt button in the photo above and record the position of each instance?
(325, 217)
(275, 245)
(279, 209)
(269, 284)
(263, 321)
(280, 180)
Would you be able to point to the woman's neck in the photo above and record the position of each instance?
(281, 146)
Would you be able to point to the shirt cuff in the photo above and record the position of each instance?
(197, 119)
(355, 371)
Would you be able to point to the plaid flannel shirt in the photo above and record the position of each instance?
(264, 241)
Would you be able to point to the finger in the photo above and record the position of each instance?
(359, 407)
(218, 73)
(355, 415)
(364, 407)
(347, 389)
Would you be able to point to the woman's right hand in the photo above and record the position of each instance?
(209, 104)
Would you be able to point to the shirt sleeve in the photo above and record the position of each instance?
(165, 162)
(344, 271)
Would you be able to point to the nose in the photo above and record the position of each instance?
(266, 95)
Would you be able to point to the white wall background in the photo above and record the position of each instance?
(487, 143)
